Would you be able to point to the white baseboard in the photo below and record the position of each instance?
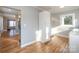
(45, 40)
(63, 36)
(32, 43)
(27, 44)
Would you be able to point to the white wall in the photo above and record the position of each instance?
(29, 24)
(56, 18)
(1, 23)
(77, 19)
(44, 24)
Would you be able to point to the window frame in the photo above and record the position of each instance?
(73, 19)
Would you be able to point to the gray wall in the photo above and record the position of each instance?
(29, 24)
(1, 23)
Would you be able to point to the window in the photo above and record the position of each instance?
(68, 19)
(12, 23)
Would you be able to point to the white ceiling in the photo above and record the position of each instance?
(57, 9)
(8, 10)
(52, 9)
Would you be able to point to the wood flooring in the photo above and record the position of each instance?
(56, 44)
(8, 42)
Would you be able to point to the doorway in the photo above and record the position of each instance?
(10, 35)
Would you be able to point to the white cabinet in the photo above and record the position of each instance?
(74, 41)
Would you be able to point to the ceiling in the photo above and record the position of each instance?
(8, 10)
(52, 9)
(57, 9)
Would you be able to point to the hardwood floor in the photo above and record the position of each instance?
(7, 42)
(56, 44)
